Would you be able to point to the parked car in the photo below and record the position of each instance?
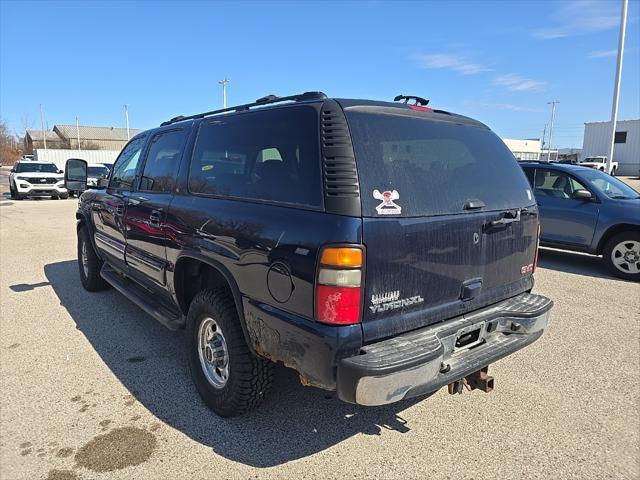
(599, 163)
(586, 210)
(382, 250)
(29, 178)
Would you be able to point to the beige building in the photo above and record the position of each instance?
(90, 138)
(527, 149)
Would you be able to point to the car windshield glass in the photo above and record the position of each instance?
(593, 160)
(610, 186)
(414, 166)
(97, 171)
(24, 167)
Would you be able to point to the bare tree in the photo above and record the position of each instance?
(9, 151)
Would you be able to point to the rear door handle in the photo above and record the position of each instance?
(509, 217)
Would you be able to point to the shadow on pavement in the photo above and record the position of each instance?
(148, 359)
(570, 262)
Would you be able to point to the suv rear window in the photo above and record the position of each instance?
(270, 155)
(434, 166)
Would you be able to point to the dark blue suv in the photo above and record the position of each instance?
(382, 250)
(586, 210)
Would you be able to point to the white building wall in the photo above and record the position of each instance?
(524, 149)
(597, 138)
(60, 156)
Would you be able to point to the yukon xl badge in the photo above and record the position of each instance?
(391, 301)
(387, 207)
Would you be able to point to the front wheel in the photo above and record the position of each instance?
(228, 377)
(622, 255)
(63, 196)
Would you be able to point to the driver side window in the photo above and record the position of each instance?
(556, 184)
(124, 170)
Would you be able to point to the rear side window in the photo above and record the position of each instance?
(270, 155)
(162, 161)
(411, 166)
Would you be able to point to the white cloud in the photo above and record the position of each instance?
(457, 63)
(516, 83)
(580, 17)
(603, 53)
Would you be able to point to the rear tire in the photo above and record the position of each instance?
(621, 255)
(63, 196)
(229, 378)
(89, 263)
(12, 192)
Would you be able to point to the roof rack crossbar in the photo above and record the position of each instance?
(269, 99)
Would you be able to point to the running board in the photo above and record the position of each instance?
(143, 298)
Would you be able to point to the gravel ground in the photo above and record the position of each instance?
(93, 388)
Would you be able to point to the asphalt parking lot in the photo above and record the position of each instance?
(93, 388)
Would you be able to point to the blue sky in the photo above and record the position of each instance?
(500, 62)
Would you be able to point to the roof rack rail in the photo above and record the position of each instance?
(259, 102)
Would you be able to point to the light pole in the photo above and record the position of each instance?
(224, 84)
(126, 119)
(553, 117)
(616, 85)
(44, 136)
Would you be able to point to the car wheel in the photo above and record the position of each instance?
(55, 197)
(12, 192)
(613, 172)
(89, 263)
(63, 196)
(622, 255)
(228, 377)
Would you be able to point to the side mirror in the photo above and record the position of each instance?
(75, 177)
(582, 195)
(60, 171)
(13, 170)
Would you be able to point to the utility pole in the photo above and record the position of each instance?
(616, 85)
(553, 117)
(78, 132)
(224, 84)
(44, 136)
(126, 120)
(544, 135)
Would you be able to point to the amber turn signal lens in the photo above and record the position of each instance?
(341, 257)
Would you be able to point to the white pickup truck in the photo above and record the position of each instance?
(599, 163)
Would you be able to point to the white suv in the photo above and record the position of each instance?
(29, 178)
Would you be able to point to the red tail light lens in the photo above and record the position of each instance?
(338, 305)
(535, 259)
(339, 286)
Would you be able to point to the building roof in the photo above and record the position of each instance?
(95, 133)
(609, 121)
(36, 135)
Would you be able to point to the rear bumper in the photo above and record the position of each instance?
(425, 360)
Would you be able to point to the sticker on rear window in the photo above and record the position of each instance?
(387, 207)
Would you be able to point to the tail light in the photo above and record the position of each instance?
(535, 258)
(339, 286)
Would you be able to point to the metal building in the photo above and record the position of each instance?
(527, 149)
(626, 149)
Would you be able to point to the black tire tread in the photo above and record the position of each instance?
(93, 282)
(250, 377)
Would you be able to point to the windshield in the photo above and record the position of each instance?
(415, 166)
(610, 186)
(593, 160)
(24, 167)
(97, 171)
